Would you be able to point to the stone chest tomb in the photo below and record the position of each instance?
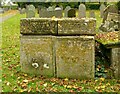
(58, 47)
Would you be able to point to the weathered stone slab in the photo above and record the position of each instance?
(75, 57)
(74, 26)
(38, 26)
(115, 62)
(37, 55)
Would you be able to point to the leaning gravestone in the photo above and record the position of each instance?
(71, 13)
(92, 14)
(58, 12)
(82, 11)
(30, 12)
(50, 11)
(66, 11)
(102, 7)
(111, 9)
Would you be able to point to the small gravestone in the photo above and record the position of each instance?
(66, 11)
(39, 8)
(82, 11)
(92, 14)
(43, 13)
(50, 11)
(23, 11)
(58, 12)
(111, 9)
(71, 13)
(102, 7)
(1, 10)
(30, 11)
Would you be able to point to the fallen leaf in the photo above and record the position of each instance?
(45, 84)
(25, 81)
(8, 83)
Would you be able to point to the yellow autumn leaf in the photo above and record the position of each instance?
(69, 86)
(103, 86)
(66, 79)
(53, 17)
(102, 79)
(25, 81)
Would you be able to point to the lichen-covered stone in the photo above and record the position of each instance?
(76, 26)
(43, 26)
(37, 55)
(115, 60)
(53, 26)
(75, 57)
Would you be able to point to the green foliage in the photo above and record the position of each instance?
(92, 6)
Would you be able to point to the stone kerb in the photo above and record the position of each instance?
(45, 51)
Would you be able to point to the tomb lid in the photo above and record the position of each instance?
(58, 26)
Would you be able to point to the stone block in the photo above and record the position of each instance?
(115, 62)
(41, 26)
(37, 55)
(74, 26)
(75, 57)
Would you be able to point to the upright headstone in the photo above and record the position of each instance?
(71, 13)
(58, 12)
(82, 11)
(111, 9)
(43, 13)
(66, 11)
(102, 7)
(23, 11)
(30, 11)
(50, 11)
(92, 14)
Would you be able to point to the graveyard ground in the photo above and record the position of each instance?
(14, 80)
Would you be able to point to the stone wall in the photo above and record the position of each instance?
(58, 47)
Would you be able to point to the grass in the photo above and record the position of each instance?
(13, 80)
